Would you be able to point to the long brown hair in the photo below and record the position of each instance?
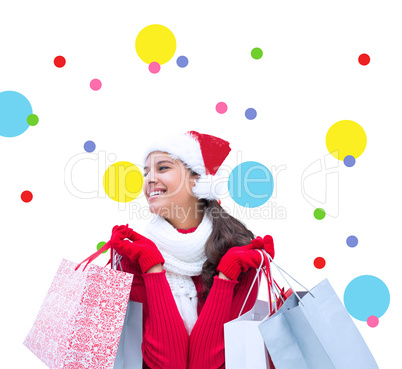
(227, 232)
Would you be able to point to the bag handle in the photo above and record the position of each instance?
(92, 257)
(275, 285)
(280, 271)
(115, 258)
(252, 284)
(268, 277)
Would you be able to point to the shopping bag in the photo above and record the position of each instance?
(244, 346)
(81, 319)
(313, 330)
(129, 352)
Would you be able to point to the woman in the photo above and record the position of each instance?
(194, 265)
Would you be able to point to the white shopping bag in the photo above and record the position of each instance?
(244, 345)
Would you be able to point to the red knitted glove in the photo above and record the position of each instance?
(241, 258)
(141, 250)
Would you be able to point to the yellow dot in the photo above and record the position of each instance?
(346, 137)
(155, 43)
(123, 181)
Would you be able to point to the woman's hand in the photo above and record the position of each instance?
(139, 249)
(241, 258)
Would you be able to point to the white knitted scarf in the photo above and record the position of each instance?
(184, 256)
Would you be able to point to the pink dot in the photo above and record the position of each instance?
(154, 67)
(95, 84)
(372, 321)
(221, 107)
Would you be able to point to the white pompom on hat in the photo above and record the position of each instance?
(204, 154)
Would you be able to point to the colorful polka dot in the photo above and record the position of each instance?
(59, 61)
(256, 53)
(352, 241)
(95, 84)
(366, 296)
(250, 184)
(99, 245)
(372, 321)
(221, 107)
(14, 112)
(364, 59)
(26, 196)
(32, 119)
(154, 67)
(155, 43)
(319, 262)
(319, 213)
(123, 181)
(182, 61)
(346, 138)
(89, 146)
(250, 113)
(349, 161)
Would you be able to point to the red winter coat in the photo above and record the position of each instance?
(166, 343)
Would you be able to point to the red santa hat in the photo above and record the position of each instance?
(204, 154)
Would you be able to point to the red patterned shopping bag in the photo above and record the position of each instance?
(81, 319)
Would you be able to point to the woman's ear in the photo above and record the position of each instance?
(193, 178)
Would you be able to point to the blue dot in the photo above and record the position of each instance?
(89, 146)
(366, 296)
(250, 184)
(349, 161)
(14, 110)
(352, 241)
(250, 113)
(182, 61)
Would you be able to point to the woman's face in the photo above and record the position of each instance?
(167, 186)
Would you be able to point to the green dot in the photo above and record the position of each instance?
(319, 213)
(256, 53)
(32, 119)
(99, 245)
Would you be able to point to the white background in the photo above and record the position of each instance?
(308, 79)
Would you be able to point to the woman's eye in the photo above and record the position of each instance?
(160, 168)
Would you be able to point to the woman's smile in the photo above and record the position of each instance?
(167, 185)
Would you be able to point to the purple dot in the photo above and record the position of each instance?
(349, 161)
(154, 67)
(95, 84)
(352, 241)
(182, 61)
(250, 113)
(89, 146)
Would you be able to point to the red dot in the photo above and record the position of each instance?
(319, 262)
(219, 202)
(364, 59)
(59, 61)
(26, 196)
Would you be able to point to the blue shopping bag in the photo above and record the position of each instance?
(313, 330)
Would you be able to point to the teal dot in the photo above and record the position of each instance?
(14, 110)
(366, 296)
(250, 184)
